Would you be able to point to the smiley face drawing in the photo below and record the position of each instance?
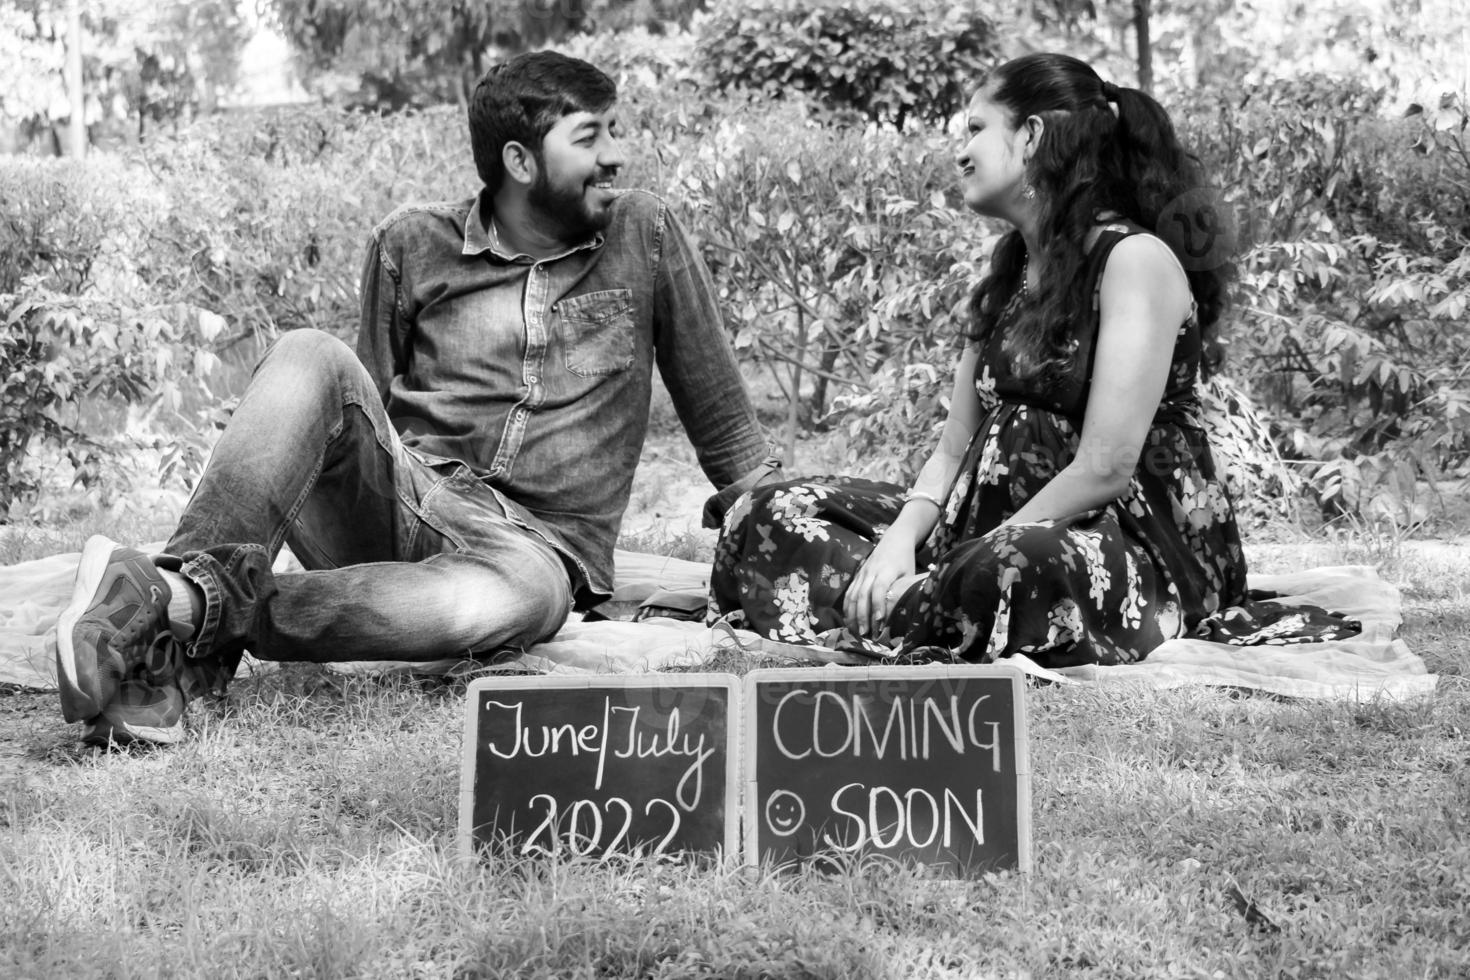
(785, 812)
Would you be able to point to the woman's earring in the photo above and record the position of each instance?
(1028, 191)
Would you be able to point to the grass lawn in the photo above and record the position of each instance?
(307, 826)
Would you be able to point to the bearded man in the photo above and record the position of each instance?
(456, 486)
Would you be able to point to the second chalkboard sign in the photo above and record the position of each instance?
(590, 766)
(924, 763)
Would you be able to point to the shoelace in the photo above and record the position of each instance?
(164, 657)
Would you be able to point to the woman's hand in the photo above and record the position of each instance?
(888, 571)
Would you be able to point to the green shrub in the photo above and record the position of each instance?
(1350, 312)
(889, 428)
(268, 213)
(638, 59)
(249, 224)
(1401, 186)
(67, 220)
(62, 354)
(1265, 488)
(837, 252)
(887, 61)
(1311, 157)
(1280, 149)
(841, 256)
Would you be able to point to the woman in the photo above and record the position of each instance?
(1072, 510)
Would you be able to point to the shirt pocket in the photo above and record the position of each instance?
(598, 331)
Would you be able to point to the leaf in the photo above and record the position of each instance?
(210, 325)
(1452, 307)
(205, 363)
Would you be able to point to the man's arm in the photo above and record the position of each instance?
(382, 327)
(698, 368)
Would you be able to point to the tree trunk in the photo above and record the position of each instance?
(820, 383)
(76, 130)
(1141, 10)
(793, 403)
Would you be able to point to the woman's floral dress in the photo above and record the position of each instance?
(1161, 561)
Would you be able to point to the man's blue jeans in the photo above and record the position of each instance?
(408, 558)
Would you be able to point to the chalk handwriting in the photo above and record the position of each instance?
(619, 736)
(856, 725)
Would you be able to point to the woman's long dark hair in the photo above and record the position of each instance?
(1090, 161)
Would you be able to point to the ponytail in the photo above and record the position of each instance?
(1170, 184)
(1104, 149)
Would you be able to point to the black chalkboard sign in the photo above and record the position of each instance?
(590, 766)
(923, 763)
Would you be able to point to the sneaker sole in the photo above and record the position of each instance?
(76, 703)
(103, 732)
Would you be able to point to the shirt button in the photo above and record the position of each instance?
(532, 380)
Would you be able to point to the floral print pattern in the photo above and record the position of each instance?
(1161, 561)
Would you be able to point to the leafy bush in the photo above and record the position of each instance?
(1355, 284)
(63, 353)
(267, 215)
(836, 251)
(890, 427)
(1281, 149)
(234, 230)
(260, 217)
(1310, 157)
(843, 261)
(888, 61)
(59, 218)
(638, 59)
(1263, 486)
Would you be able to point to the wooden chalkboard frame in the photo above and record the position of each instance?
(729, 683)
(750, 808)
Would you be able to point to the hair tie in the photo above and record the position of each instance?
(1110, 91)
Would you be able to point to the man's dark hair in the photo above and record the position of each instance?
(521, 99)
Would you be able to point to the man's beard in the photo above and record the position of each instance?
(566, 208)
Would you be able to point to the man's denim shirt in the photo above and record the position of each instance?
(538, 374)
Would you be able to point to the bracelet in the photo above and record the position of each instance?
(921, 495)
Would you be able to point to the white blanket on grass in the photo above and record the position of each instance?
(1374, 665)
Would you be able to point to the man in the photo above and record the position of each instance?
(457, 486)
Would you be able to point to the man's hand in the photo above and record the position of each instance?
(716, 506)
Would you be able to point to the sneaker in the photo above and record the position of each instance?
(142, 713)
(115, 634)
